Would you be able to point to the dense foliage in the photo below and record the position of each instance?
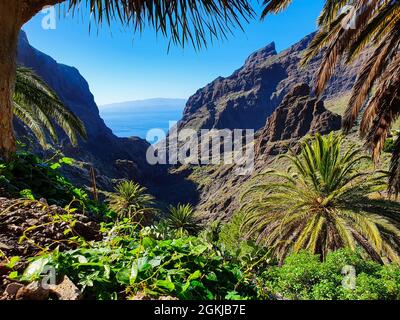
(322, 203)
(28, 176)
(182, 219)
(173, 257)
(125, 265)
(130, 200)
(344, 275)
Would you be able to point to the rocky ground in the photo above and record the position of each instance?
(28, 228)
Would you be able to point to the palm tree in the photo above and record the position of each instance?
(182, 21)
(322, 203)
(37, 106)
(132, 201)
(346, 27)
(183, 220)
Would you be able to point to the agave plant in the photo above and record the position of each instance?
(322, 203)
(132, 201)
(183, 220)
(39, 108)
(346, 27)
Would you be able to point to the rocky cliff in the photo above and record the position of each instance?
(297, 115)
(111, 156)
(245, 99)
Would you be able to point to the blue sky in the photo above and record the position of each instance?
(122, 66)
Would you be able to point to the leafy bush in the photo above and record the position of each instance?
(123, 266)
(304, 276)
(27, 176)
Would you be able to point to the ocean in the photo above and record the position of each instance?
(136, 118)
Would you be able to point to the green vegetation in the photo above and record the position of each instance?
(330, 235)
(131, 201)
(344, 275)
(182, 220)
(29, 176)
(38, 106)
(322, 203)
(124, 266)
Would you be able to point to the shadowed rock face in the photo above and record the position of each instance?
(245, 99)
(102, 148)
(297, 115)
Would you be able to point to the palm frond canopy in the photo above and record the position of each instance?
(182, 219)
(322, 203)
(39, 108)
(346, 28)
(182, 21)
(131, 200)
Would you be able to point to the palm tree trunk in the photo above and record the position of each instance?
(10, 26)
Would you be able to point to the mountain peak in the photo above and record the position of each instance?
(262, 54)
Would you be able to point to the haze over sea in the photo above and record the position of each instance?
(136, 118)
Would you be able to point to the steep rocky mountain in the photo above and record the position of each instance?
(297, 115)
(111, 156)
(245, 99)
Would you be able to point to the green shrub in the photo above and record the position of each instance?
(123, 266)
(304, 276)
(27, 176)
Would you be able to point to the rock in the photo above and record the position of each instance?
(251, 94)
(297, 115)
(166, 298)
(33, 291)
(140, 296)
(65, 290)
(102, 148)
(22, 215)
(12, 289)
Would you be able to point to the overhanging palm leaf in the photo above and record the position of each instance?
(182, 21)
(38, 107)
(322, 203)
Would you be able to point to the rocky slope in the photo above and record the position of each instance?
(251, 94)
(299, 114)
(111, 156)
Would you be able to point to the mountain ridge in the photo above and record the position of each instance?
(111, 156)
(246, 98)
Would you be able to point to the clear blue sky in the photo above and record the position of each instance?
(122, 66)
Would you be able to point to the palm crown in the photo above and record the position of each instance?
(322, 203)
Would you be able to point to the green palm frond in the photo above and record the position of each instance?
(131, 200)
(346, 27)
(182, 219)
(39, 108)
(182, 21)
(325, 202)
